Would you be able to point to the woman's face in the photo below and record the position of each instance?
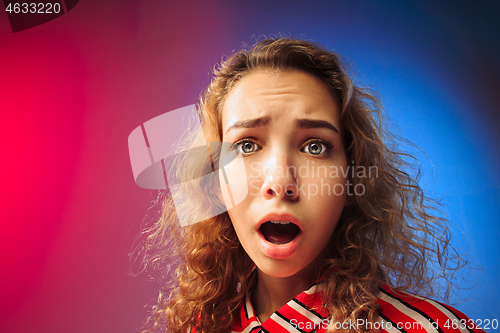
(287, 127)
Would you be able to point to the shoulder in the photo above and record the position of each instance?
(405, 312)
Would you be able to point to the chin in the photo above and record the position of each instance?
(279, 268)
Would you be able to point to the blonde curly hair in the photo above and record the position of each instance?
(392, 234)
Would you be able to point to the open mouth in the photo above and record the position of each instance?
(279, 232)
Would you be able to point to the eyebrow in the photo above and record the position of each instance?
(299, 123)
(311, 123)
(249, 123)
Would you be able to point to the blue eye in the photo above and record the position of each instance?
(317, 147)
(246, 146)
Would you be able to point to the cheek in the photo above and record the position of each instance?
(240, 226)
(324, 186)
(255, 175)
(233, 181)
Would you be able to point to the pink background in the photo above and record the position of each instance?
(71, 91)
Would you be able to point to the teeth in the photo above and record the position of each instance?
(279, 222)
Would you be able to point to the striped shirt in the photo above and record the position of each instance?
(399, 313)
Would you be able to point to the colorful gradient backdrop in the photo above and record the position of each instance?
(71, 91)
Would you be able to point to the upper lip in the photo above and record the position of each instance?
(280, 217)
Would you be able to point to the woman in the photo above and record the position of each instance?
(334, 233)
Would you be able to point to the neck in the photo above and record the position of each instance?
(271, 292)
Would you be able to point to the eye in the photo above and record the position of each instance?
(246, 146)
(317, 147)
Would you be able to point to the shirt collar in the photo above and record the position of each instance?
(304, 313)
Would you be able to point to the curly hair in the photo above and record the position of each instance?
(393, 234)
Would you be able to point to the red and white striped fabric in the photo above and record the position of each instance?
(304, 313)
(400, 312)
(404, 312)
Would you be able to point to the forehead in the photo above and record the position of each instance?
(283, 95)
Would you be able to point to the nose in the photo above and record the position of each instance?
(280, 179)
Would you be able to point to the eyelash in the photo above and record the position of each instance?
(326, 144)
(326, 152)
(238, 144)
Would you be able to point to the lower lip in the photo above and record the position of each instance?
(280, 251)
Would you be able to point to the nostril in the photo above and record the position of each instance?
(289, 192)
(270, 192)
